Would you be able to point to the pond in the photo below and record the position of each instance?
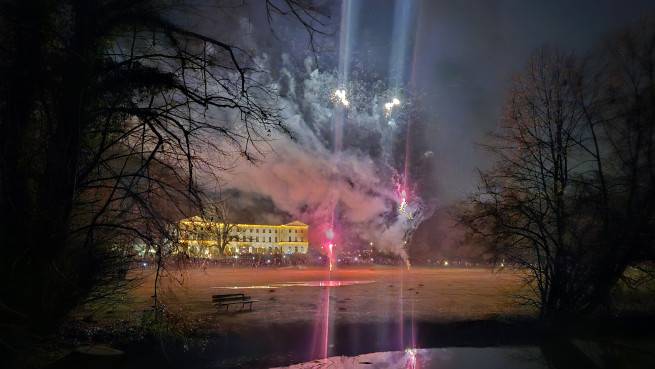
(437, 358)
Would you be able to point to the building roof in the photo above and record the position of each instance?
(296, 223)
(198, 219)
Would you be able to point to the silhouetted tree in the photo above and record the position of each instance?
(570, 197)
(106, 111)
(521, 207)
(218, 212)
(619, 193)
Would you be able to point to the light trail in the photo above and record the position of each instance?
(330, 256)
(347, 32)
(404, 24)
(326, 323)
(349, 11)
(404, 28)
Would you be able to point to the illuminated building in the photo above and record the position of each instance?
(201, 237)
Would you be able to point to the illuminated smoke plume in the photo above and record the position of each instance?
(305, 178)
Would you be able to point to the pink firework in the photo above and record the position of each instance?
(402, 194)
(329, 234)
(330, 254)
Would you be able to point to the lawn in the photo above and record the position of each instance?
(382, 294)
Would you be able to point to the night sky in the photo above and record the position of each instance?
(468, 52)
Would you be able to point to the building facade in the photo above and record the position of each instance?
(201, 237)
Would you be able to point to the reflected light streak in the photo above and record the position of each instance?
(326, 323)
(411, 358)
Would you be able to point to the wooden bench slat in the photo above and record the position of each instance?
(231, 299)
(227, 295)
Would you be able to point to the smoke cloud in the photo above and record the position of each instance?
(304, 177)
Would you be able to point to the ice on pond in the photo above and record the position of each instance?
(441, 358)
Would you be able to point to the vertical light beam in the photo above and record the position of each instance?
(404, 28)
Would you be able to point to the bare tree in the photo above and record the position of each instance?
(521, 207)
(107, 108)
(223, 230)
(619, 107)
(570, 197)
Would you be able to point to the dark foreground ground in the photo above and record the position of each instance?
(624, 343)
(295, 321)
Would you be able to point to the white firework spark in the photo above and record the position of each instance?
(340, 97)
(388, 107)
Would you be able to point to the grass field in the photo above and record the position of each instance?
(298, 320)
(388, 294)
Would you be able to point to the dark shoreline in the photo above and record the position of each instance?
(289, 343)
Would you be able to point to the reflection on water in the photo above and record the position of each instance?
(441, 358)
(327, 283)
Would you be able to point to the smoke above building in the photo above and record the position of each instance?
(357, 189)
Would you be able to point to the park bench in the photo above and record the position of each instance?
(228, 299)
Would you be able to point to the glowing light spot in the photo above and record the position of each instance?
(445, 263)
(340, 97)
(403, 205)
(403, 209)
(411, 358)
(330, 255)
(388, 107)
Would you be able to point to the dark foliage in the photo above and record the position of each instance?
(107, 108)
